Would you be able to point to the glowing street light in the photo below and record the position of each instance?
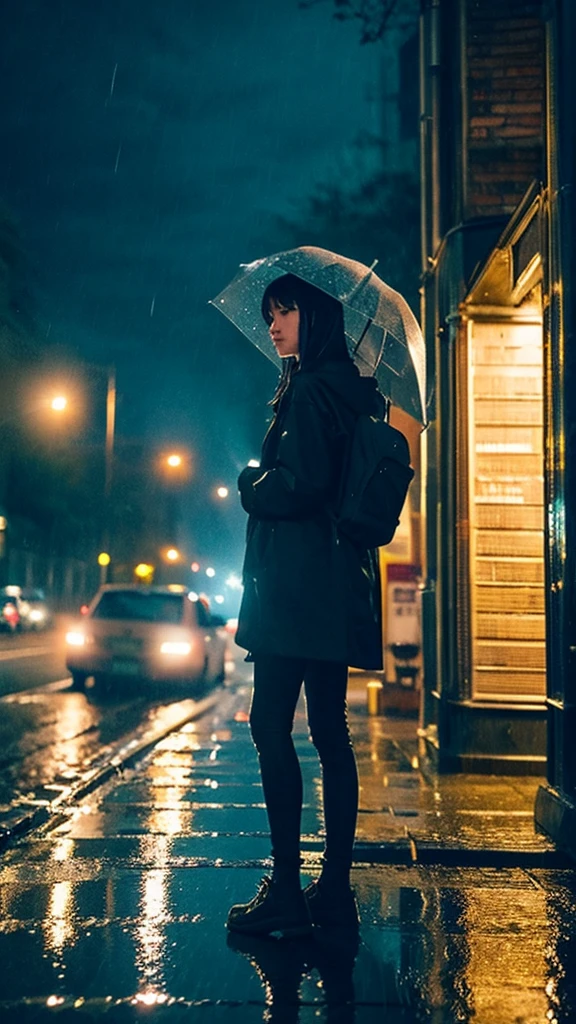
(144, 572)
(172, 554)
(222, 492)
(210, 572)
(103, 562)
(174, 466)
(58, 403)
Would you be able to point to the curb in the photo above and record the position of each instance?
(415, 853)
(122, 756)
(425, 854)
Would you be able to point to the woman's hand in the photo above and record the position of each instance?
(246, 481)
(300, 482)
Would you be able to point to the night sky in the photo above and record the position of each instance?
(147, 150)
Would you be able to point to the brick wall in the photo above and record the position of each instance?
(505, 103)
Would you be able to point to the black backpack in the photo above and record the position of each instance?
(374, 484)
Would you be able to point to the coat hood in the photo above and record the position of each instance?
(359, 393)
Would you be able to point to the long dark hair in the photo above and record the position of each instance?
(321, 333)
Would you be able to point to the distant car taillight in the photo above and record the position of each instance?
(11, 612)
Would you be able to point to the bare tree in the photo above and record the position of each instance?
(375, 218)
(375, 16)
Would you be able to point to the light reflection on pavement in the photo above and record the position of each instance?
(121, 908)
(49, 735)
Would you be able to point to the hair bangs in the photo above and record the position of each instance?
(282, 291)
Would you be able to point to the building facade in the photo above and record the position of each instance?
(497, 145)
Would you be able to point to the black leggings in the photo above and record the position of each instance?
(277, 684)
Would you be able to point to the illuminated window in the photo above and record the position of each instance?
(506, 510)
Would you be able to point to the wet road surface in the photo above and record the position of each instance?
(118, 913)
(28, 660)
(48, 733)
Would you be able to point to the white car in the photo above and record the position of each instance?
(30, 602)
(153, 634)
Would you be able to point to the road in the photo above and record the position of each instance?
(49, 733)
(29, 660)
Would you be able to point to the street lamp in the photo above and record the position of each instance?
(144, 572)
(222, 492)
(175, 465)
(103, 562)
(173, 468)
(173, 555)
(110, 425)
(58, 404)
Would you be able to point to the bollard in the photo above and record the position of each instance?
(374, 695)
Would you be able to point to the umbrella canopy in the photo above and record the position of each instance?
(382, 333)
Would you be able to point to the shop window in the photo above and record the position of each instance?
(506, 511)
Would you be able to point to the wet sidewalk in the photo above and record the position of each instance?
(119, 912)
(420, 817)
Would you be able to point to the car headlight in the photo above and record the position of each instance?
(75, 639)
(175, 647)
(36, 615)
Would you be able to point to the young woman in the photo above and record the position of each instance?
(311, 605)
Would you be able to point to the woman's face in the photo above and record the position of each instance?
(283, 328)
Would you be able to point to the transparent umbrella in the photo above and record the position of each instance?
(382, 333)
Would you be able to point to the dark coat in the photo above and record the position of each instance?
(308, 592)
